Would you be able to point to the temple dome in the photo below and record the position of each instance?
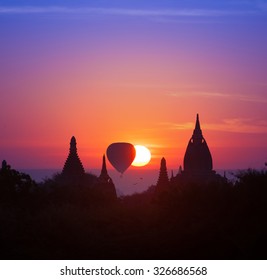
(197, 157)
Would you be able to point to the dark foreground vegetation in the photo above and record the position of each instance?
(214, 221)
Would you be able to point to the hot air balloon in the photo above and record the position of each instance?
(121, 155)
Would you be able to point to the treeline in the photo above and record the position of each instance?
(186, 221)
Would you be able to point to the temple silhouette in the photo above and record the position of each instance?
(198, 166)
(163, 180)
(194, 214)
(73, 174)
(105, 184)
(73, 170)
(197, 159)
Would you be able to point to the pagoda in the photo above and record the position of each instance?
(105, 184)
(104, 177)
(163, 180)
(198, 166)
(197, 157)
(73, 169)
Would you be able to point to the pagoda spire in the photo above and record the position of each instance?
(73, 147)
(73, 168)
(163, 180)
(104, 166)
(105, 184)
(104, 173)
(197, 134)
(197, 123)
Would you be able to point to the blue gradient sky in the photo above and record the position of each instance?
(135, 71)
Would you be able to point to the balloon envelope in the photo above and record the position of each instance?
(121, 155)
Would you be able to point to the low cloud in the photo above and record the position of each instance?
(240, 97)
(178, 126)
(238, 125)
(123, 12)
(241, 125)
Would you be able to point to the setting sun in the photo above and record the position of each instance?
(142, 157)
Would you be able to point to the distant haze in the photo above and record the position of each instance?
(133, 181)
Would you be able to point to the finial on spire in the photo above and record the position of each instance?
(73, 143)
(197, 123)
(104, 167)
(197, 134)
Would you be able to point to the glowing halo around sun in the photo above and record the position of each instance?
(142, 157)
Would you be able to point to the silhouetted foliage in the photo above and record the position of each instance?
(216, 220)
(14, 183)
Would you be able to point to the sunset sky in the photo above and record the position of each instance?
(134, 71)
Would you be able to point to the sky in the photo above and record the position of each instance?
(132, 71)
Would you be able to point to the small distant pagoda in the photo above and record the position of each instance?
(105, 184)
(104, 177)
(73, 170)
(163, 180)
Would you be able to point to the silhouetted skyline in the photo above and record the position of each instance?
(186, 79)
(172, 220)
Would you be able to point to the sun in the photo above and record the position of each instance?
(142, 157)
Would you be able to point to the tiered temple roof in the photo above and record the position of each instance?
(73, 168)
(163, 180)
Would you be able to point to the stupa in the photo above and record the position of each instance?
(105, 184)
(163, 180)
(73, 169)
(104, 177)
(198, 166)
(197, 157)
